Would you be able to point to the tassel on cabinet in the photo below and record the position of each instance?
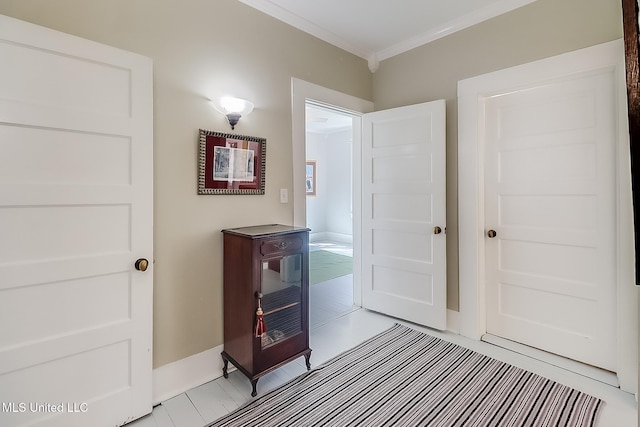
(261, 328)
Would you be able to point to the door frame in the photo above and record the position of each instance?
(301, 92)
(471, 221)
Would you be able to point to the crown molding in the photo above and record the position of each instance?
(308, 27)
(373, 58)
(466, 21)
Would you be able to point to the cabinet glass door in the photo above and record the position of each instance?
(282, 297)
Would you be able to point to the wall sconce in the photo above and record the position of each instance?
(232, 108)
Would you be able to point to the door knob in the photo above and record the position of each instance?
(437, 230)
(492, 234)
(142, 264)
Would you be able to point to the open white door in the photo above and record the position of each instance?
(403, 213)
(76, 184)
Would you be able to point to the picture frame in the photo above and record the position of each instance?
(310, 174)
(231, 164)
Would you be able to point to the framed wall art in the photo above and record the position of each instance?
(310, 184)
(630, 18)
(231, 164)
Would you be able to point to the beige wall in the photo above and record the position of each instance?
(200, 48)
(541, 29)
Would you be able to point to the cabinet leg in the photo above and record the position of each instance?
(254, 383)
(307, 359)
(225, 372)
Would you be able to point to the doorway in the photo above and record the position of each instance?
(301, 93)
(364, 261)
(329, 211)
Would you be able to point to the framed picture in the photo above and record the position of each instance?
(311, 178)
(630, 16)
(231, 164)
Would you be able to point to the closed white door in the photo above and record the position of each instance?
(550, 198)
(75, 214)
(403, 213)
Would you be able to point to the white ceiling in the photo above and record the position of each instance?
(379, 29)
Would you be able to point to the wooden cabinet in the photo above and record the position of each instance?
(266, 265)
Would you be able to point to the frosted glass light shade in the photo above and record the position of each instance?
(233, 108)
(236, 105)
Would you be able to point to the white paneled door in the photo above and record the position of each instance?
(550, 197)
(403, 213)
(75, 215)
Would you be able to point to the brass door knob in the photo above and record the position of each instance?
(437, 230)
(491, 234)
(142, 264)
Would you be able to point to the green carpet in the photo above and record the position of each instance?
(325, 265)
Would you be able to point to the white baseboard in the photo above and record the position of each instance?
(175, 378)
(453, 321)
(331, 237)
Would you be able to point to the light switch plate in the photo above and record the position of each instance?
(284, 195)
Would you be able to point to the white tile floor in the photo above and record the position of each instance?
(336, 325)
(333, 298)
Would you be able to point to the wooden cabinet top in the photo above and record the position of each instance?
(258, 231)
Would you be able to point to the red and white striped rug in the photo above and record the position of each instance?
(403, 377)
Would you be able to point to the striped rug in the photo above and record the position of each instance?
(402, 377)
